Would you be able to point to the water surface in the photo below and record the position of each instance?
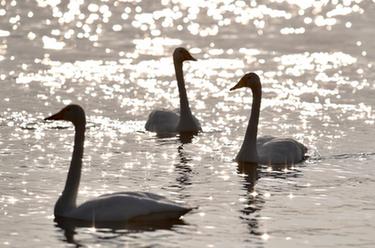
(315, 59)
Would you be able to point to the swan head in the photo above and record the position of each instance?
(250, 80)
(181, 54)
(73, 113)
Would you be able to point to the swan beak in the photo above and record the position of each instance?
(188, 56)
(238, 85)
(192, 58)
(234, 87)
(57, 116)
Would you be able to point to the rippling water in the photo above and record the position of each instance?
(315, 59)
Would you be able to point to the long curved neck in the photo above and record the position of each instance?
(252, 128)
(249, 145)
(68, 198)
(184, 103)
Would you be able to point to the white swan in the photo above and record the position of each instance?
(267, 149)
(122, 206)
(164, 121)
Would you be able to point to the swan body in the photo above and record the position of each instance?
(125, 206)
(165, 121)
(273, 150)
(115, 207)
(266, 149)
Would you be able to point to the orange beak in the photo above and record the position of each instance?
(57, 116)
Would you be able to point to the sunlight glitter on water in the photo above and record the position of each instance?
(115, 59)
(52, 43)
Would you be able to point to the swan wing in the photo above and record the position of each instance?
(280, 151)
(149, 195)
(264, 139)
(162, 121)
(128, 206)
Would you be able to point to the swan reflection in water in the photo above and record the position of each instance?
(115, 229)
(187, 137)
(183, 168)
(251, 173)
(183, 137)
(254, 203)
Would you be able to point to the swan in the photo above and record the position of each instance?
(266, 149)
(165, 121)
(115, 207)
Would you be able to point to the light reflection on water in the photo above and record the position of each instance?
(114, 58)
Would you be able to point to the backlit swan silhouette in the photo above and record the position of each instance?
(165, 121)
(266, 149)
(116, 207)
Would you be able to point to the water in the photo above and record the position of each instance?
(315, 59)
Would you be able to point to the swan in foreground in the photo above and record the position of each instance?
(164, 121)
(116, 207)
(266, 149)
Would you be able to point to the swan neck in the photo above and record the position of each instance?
(184, 103)
(252, 128)
(69, 195)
